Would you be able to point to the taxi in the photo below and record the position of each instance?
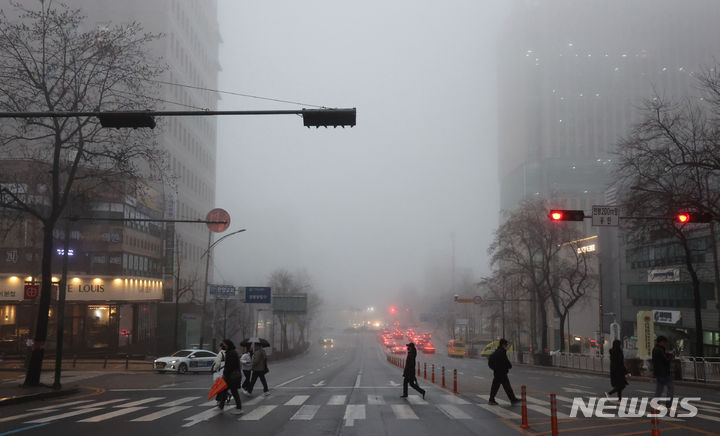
(183, 361)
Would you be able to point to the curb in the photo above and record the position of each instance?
(38, 396)
(686, 383)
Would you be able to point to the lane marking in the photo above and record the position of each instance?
(353, 412)
(580, 386)
(139, 402)
(27, 415)
(257, 413)
(452, 411)
(376, 400)
(102, 403)
(297, 400)
(452, 399)
(18, 430)
(306, 413)
(113, 414)
(290, 381)
(357, 380)
(337, 400)
(500, 411)
(64, 415)
(160, 413)
(403, 411)
(60, 405)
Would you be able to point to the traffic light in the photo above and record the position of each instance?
(329, 117)
(133, 119)
(393, 309)
(685, 217)
(566, 215)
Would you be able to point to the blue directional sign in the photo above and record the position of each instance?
(223, 291)
(257, 294)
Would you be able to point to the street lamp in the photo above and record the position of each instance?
(207, 267)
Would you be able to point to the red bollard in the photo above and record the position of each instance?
(455, 381)
(524, 409)
(443, 376)
(654, 422)
(553, 415)
(433, 373)
(425, 370)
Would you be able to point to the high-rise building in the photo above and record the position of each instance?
(573, 76)
(119, 272)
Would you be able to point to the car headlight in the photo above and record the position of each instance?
(173, 361)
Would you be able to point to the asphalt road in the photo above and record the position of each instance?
(346, 390)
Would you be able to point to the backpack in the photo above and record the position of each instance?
(491, 361)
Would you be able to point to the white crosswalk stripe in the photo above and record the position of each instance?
(416, 400)
(27, 415)
(140, 402)
(202, 416)
(452, 399)
(258, 413)
(453, 411)
(180, 401)
(297, 400)
(113, 414)
(403, 411)
(60, 406)
(165, 411)
(306, 413)
(353, 412)
(102, 403)
(500, 411)
(337, 400)
(63, 415)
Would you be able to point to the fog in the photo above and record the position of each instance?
(367, 210)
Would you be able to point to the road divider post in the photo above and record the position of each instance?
(443, 376)
(654, 421)
(524, 409)
(553, 415)
(433, 373)
(455, 381)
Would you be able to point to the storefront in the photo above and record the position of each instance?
(101, 314)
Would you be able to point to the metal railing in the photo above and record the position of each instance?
(582, 361)
(701, 369)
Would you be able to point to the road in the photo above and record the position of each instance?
(350, 389)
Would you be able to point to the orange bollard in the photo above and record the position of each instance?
(433, 373)
(418, 369)
(455, 381)
(553, 415)
(443, 376)
(655, 424)
(425, 370)
(524, 409)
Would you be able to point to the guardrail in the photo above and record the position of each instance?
(117, 364)
(582, 361)
(701, 369)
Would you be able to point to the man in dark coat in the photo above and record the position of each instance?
(500, 364)
(232, 373)
(409, 377)
(661, 368)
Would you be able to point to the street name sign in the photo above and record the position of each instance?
(258, 294)
(605, 215)
(223, 291)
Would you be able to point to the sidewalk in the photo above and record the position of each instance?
(11, 393)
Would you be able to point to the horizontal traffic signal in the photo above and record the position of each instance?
(566, 215)
(329, 117)
(685, 217)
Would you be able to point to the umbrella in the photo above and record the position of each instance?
(217, 387)
(248, 341)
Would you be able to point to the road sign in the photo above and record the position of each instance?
(223, 291)
(258, 294)
(290, 303)
(605, 215)
(477, 299)
(32, 291)
(218, 214)
(464, 300)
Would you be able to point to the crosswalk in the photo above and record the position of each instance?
(188, 411)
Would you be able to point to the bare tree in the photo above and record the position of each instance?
(54, 62)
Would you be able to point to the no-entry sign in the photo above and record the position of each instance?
(221, 218)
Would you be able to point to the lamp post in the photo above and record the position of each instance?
(205, 286)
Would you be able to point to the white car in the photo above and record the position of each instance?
(183, 361)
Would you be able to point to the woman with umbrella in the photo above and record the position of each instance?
(259, 364)
(231, 373)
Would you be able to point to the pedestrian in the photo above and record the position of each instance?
(409, 378)
(500, 364)
(246, 362)
(259, 369)
(218, 367)
(232, 373)
(661, 359)
(618, 372)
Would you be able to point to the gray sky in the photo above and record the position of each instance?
(363, 210)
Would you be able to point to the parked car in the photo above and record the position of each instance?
(183, 361)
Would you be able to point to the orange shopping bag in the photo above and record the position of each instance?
(217, 387)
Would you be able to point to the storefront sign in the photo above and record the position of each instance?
(664, 275)
(32, 291)
(105, 289)
(667, 316)
(645, 333)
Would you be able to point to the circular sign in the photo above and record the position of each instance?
(32, 291)
(221, 220)
(477, 300)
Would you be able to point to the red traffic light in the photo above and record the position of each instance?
(692, 217)
(566, 215)
(682, 217)
(393, 309)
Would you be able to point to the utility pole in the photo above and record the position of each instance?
(204, 291)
